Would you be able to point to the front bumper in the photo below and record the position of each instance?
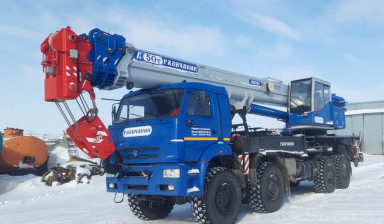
(149, 180)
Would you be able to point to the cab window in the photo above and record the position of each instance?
(301, 96)
(321, 96)
(195, 108)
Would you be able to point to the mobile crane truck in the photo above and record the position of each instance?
(173, 141)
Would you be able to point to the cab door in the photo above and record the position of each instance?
(201, 123)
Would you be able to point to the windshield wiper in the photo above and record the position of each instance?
(156, 114)
(137, 115)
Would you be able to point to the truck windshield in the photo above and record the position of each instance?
(301, 96)
(157, 104)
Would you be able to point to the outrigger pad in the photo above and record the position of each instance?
(93, 137)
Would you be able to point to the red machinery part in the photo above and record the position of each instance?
(65, 65)
(92, 138)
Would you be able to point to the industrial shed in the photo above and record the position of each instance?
(366, 119)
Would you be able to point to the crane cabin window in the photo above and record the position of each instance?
(301, 96)
(321, 96)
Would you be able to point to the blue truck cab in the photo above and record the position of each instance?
(165, 138)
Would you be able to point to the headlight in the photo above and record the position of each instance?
(171, 173)
(110, 175)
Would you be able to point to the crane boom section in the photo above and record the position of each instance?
(116, 63)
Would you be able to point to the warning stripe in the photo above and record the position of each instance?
(240, 159)
(244, 162)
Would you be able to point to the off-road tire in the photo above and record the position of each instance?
(325, 180)
(147, 209)
(221, 200)
(268, 194)
(343, 171)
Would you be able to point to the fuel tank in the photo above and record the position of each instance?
(22, 153)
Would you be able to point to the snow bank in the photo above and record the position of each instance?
(27, 200)
(62, 171)
(59, 155)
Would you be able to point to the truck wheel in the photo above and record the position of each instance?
(325, 180)
(146, 209)
(343, 171)
(221, 200)
(268, 194)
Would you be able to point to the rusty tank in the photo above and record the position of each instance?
(22, 153)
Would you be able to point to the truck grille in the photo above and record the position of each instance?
(140, 153)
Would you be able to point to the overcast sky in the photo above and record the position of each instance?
(339, 41)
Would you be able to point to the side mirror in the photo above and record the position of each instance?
(201, 95)
(113, 112)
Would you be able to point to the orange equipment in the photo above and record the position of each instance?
(22, 153)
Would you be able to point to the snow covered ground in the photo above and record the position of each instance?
(25, 199)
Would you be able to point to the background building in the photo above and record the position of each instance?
(366, 119)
